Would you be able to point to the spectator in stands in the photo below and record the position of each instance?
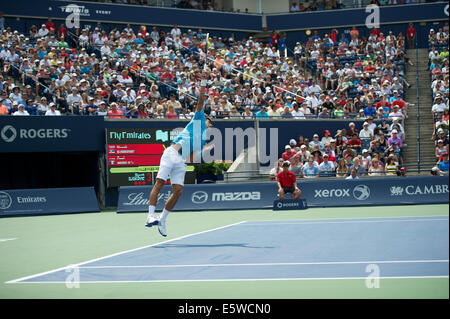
(21, 111)
(52, 111)
(443, 165)
(317, 154)
(326, 167)
(293, 145)
(376, 169)
(288, 153)
(296, 165)
(342, 169)
(247, 115)
(310, 170)
(396, 113)
(114, 112)
(439, 106)
(370, 110)
(316, 141)
(349, 150)
(358, 167)
(443, 122)
(355, 143)
(391, 167)
(274, 171)
(365, 159)
(3, 109)
(326, 139)
(443, 137)
(351, 130)
(411, 35)
(440, 149)
(304, 153)
(262, 114)
(366, 133)
(394, 138)
(353, 174)
(396, 99)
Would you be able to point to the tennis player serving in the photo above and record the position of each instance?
(186, 147)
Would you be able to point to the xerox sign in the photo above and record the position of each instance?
(359, 192)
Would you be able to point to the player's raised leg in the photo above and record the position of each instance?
(151, 218)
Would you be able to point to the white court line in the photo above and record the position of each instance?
(309, 222)
(342, 222)
(349, 218)
(116, 254)
(274, 264)
(6, 239)
(225, 280)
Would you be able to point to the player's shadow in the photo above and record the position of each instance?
(209, 246)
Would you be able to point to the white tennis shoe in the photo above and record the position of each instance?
(151, 221)
(162, 228)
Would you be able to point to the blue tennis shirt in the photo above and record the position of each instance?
(193, 137)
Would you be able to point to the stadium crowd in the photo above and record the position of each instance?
(438, 41)
(375, 150)
(152, 74)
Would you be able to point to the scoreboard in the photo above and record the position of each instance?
(133, 155)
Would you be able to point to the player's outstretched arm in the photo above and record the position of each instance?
(201, 96)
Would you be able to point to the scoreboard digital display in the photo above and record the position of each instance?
(133, 156)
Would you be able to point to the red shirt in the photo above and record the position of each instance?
(115, 114)
(386, 103)
(286, 179)
(375, 31)
(50, 26)
(274, 38)
(333, 37)
(411, 32)
(399, 102)
(62, 31)
(356, 142)
(287, 156)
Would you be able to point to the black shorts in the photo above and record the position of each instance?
(289, 189)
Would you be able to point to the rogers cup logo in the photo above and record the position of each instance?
(8, 133)
(5, 200)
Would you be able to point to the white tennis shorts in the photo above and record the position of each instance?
(172, 165)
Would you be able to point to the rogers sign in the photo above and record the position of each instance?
(9, 133)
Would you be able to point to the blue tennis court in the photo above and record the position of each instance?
(276, 250)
